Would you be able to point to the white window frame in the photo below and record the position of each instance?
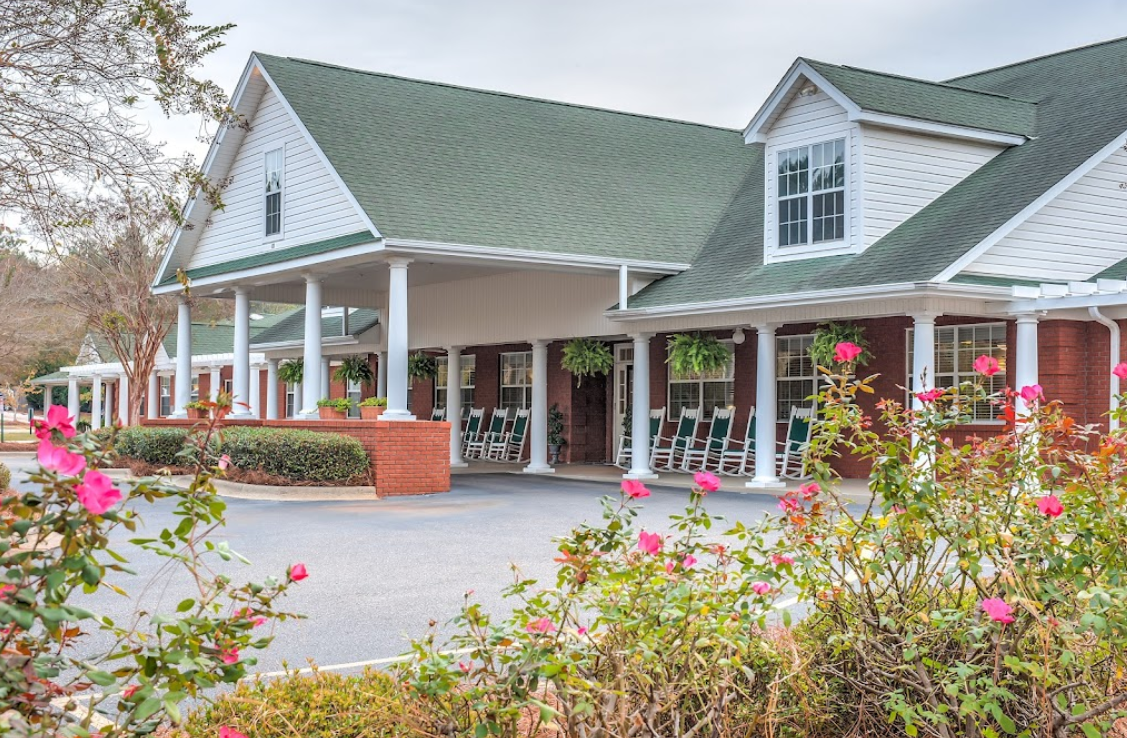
(967, 354)
(194, 395)
(164, 395)
(807, 196)
(729, 378)
(280, 233)
(783, 401)
(468, 366)
(291, 409)
(354, 391)
(527, 384)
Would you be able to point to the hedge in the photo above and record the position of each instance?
(297, 455)
(5, 478)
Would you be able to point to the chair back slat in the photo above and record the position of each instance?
(438, 413)
(520, 426)
(750, 437)
(657, 419)
(721, 428)
(497, 421)
(798, 432)
(473, 425)
(687, 427)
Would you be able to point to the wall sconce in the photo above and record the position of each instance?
(738, 336)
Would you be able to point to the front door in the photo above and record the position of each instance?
(623, 389)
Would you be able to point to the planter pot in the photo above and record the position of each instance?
(554, 454)
(371, 413)
(331, 413)
(195, 413)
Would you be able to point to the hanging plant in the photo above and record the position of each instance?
(697, 354)
(586, 357)
(292, 371)
(421, 366)
(828, 335)
(355, 369)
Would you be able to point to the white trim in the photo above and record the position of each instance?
(946, 130)
(281, 234)
(773, 253)
(756, 130)
(541, 258)
(1029, 210)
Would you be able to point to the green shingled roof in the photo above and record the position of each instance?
(932, 101)
(52, 377)
(292, 327)
(440, 163)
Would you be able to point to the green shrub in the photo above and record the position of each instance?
(5, 477)
(158, 446)
(320, 705)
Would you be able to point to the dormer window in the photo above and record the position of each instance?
(275, 164)
(811, 193)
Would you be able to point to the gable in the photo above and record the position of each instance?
(314, 206)
(807, 115)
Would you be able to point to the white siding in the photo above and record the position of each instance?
(1078, 234)
(903, 172)
(808, 118)
(314, 207)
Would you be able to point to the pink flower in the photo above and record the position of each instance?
(1031, 393)
(226, 732)
(634, 489)
(649, 542)
(789, 504)
(689, 561)
(5, 589)
(1050, 505)
(97, 493)
(707, 481)
(986, 365)
(130, 691)
(670, 566)
(760, 588)
(224, 462)
(57, 419)
(930, 396)
(229, 655)
(255, 621)
(781, 559)
(845, 352)
(297, 572)
(464, 667)
(1120, 371)
(810, 490)
(998, 610)
(60, 460)
(582, 630)
(542, 626)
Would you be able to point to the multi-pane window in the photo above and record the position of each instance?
(291, 400)
(795, 374)
(274, 181)
(468, 365)
(811, 193)
(165, 385)
(516, 380)
(706, 391)
(956, 348)
(354, 393)
(195, 395)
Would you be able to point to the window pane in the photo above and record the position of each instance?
(516, 380)
(795, 373)
(829, 216)
(792, 221)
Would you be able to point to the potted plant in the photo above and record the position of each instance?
(355, 369)
(196, 410)
(291, 371)
(586, 357)
(828, 335)
(697, 354)
(372, 408)
(334, 409)
(421, 366)
(555, 433)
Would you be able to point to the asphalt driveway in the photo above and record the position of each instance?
(380, 570)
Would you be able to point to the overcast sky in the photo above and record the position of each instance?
(700, 60)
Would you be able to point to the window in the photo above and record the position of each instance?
(227, 385)
(468, 365)
(291, 400)
(516, 380)
(195, 394)
(795, 374)
(165, 394)
(707, 392)
(274, 181)
(354, 393)
(811, 193)
(956, 348)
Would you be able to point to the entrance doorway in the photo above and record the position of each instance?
(623, 390)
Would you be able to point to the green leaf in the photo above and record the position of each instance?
(101, 678)
(1091, 731)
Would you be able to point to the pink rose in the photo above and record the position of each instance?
(130, 691)
(541, 626)
(689, 561)
(1120, 371)
(998, 610)
(224, 462)
(760, 588)
(986, 365)
(226, 732)
(297, 572)
(649, 542)
(1031, 393)
(930, 396)
(57, 419)
(463, 667)
(634, 489)
(809, 491)
(1050, 505)
(582, 630)
(789, 504)
(845, 352)
(53, 458)
(229, 656)
(670, 566)
(707, 481)
(97, 493)
(781, 559)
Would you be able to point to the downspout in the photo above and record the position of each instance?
(1113, 327)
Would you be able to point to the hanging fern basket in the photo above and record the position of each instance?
(292, 371)
(697, 354)
(828, 335)
(586, 357)
(421, 366)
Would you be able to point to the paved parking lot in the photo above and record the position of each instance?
(380, 570)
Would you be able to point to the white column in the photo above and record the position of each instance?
(240, 370)
(344, 320)
(48, 399)
(122, 390)
(381, 375)
(152, 396)
(73, 400)
(623, 286)
(255, 391)
(271, 389)
(454, 403)
(183, 358)
(766, 463)
(96, 404)
(640, 440)
(216, 382)
(325, 378)
(311, 381)
(923, 356)
(1025, 368)
(538, 418)
(397, 342)
(107, 406)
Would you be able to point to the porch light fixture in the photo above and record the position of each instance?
(808, 91)
(738, 336)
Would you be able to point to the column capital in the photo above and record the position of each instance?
(925, 316)
(762, 328)
(311, 278)
(641, 337)
(184, 299)
(399, 262)
(540, 342)
(1032, 316)
(453, 349)
(241, 289)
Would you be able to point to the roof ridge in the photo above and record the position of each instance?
(1042, 57)
(499, 93)
(943, 84)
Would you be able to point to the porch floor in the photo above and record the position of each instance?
(855, 489)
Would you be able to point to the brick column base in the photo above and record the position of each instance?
(411, 458)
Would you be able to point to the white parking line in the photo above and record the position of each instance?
(352, 665)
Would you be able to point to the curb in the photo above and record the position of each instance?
(273, 493)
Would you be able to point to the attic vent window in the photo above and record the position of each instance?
(808, 91)
(811, 193)
(275, 164)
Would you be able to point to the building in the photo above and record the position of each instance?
(982, 214)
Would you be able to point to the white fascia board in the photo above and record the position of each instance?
(94, 370)
(535, 258)
(1072, 302)
(945, 130)
(1029, 210)
(756, 130)
(846, 294)
(253, 274)
(325, 341)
